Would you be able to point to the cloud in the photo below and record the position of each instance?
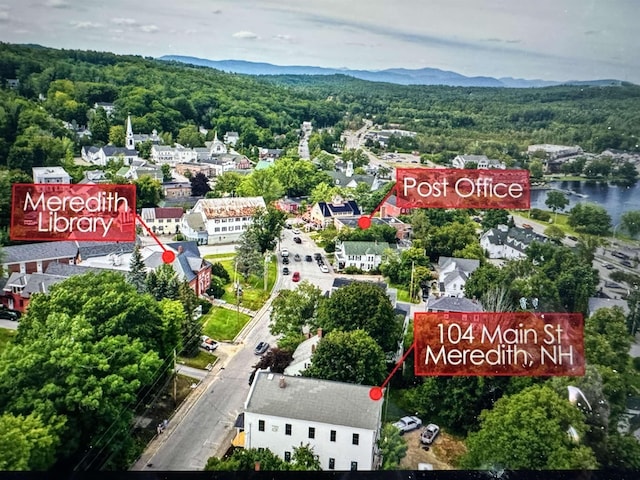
(4, 16)
(149, 28)
(217, 12)
(283, 37)
(592, 32)
(56, 3)
(84, 24)
(246, 35)
(124, 21)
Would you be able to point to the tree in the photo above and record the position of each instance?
(293, 309)
(352, 357)
(83, 353)
(137, 274)
(227, 183)
(248, 258)
(528, 430)
(245, 459)
(555, 233)
(26, 442)
(266, 226)
(199, 185)
(590, 218)
(99, 126)
(218, 270)
(556, 201)
(393, 447)
(190, 137)
(630, 221)
(303, 458)
(163, 282)
(494, 217)
(445, 240)
(148, 192)
(261, 183)
(117, 135)
(166, 172)
(276, 360)
(191, 326)
(628, 173)
(536, 170)
(362, 305)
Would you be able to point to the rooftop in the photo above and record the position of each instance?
(312, 399)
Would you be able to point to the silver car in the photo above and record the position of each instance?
(429, 434)
(407, 424)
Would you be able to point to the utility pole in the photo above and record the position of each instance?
(411, 283)
(175, 379)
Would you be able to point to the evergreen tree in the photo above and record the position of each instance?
(137, 275)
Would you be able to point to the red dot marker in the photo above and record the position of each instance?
(168, 256)
(364, 222)
(375, 393)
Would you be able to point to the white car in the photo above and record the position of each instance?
(208, 343)
(408, 424)
(284, 253)
(429, 434)
(295, 231)
(324, 268)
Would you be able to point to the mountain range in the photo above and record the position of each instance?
(400, 76)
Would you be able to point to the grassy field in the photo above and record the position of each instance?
(6, 335)
(223, 324)
(199, 361)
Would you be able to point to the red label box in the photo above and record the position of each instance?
(104, 212)
(462, 188)
(494, 344)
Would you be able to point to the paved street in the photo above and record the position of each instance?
(204, 425)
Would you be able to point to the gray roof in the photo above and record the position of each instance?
(195, 222)
(455, 304)
(39, 251)
(341, 178)
(99, 249)
(596, 303)
(312, 399)
(66, 270)
(464, 264)
(365, 248)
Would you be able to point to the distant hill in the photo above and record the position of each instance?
(400, 76)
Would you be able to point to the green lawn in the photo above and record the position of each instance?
(223, 324)
(199, 361)
(219, 256)
(6, 335)
(403, 292)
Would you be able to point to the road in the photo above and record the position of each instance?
(9, 324)
(203, 427)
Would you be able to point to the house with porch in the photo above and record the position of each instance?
(365, 256)
(453, 273)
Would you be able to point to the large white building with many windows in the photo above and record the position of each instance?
(219, 220)
(338, 420)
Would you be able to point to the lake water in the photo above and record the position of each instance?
(615, 199)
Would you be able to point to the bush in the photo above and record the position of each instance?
(206, 305)
(353, 270)
(216, 289)
(218, 270)
(636, 363)
(330, 247)
(541, 215)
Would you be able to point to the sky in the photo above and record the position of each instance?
(557, 40)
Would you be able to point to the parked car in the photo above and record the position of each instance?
(324, 268)
(288, 226)
(526, 225)
(6, 314)
(261, 348)
(608, 266)
(297, 239)
(296, 276)
(308, 258)
(571, 237)
(284, 253)
(285, 260)
(317, 256)
(408, 424)
(285, 271)
(627, 263)
(208, 343)
(429, 434)
(297, 258)
(295, 231)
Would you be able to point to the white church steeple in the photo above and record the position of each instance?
(130, 143)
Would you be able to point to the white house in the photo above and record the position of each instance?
(101, 155)
(453, 274)
(363, 255)
(223, 219)
(162, 221)
(508, 243)
(338, 420)
(50, 175)
(231, 138)
(460, 161)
